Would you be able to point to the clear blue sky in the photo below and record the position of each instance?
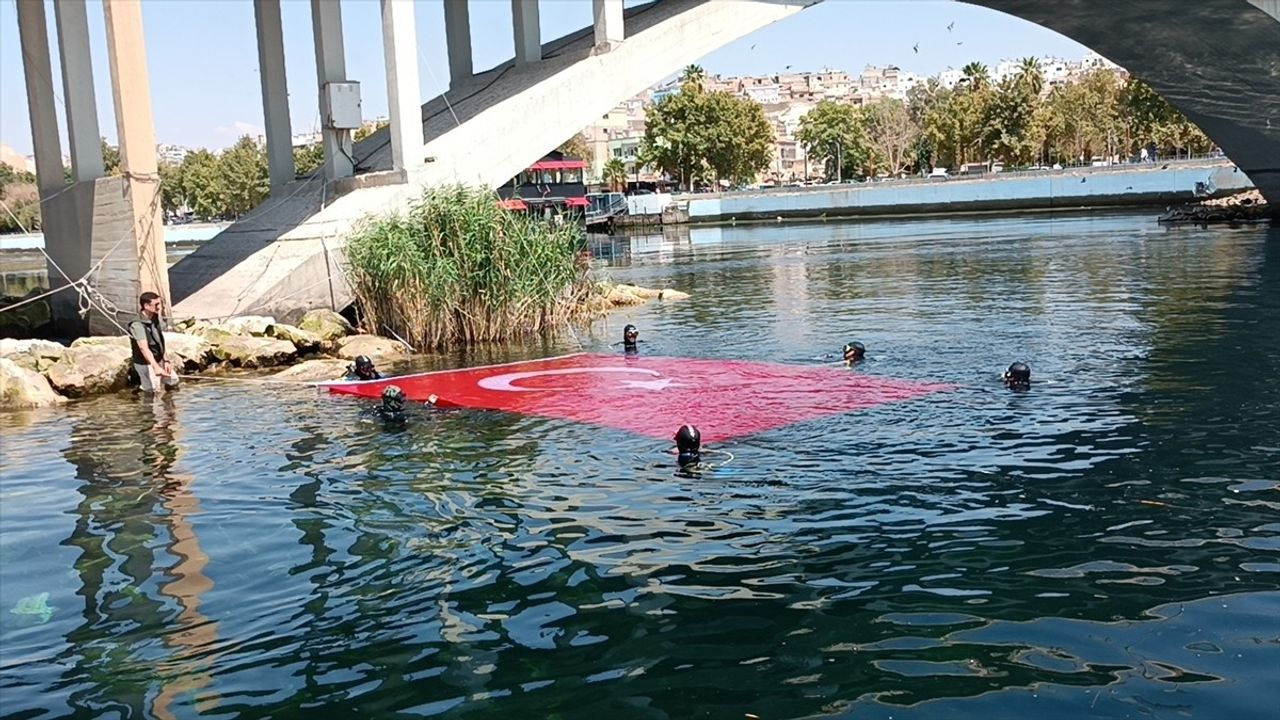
(203, 56)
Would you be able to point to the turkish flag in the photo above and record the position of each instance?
(654, 396)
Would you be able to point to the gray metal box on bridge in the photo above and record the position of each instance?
(341, 105)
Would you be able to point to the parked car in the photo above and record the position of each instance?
(939, 173)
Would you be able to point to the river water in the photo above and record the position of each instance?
(1105, 545)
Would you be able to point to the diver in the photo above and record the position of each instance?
(689, 447)
(363, 369)
(1017, 377)
(854, 352)
(630, 338)
(391, 410)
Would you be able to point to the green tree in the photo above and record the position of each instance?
(1009, 121)
(975, 76)
(615, 174)
(307, 159)
(202, 185)
(739, 140)
(693, 75)
(21, 197)
(836, 133)
(110, 158)
(173, 193)
(1030, 75)
(675, 136)
(246, 181)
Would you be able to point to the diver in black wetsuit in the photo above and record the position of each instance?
(1017, 377)
(854, 352)
(391, 410)
(363, 369)
(630, 338)
(689, 446)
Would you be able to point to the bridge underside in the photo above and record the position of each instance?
(495, 124)
(1215, 60)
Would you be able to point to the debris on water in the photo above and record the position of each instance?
(35, 606)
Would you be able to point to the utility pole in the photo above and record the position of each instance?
(839, 161)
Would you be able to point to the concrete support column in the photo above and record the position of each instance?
(33, 36)
(72, 19)
(400, 49)
(275, 92)
(331, 67)
(127, 52)
(457, 35)
(524, 20)
(608, 22)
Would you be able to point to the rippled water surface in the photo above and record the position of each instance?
(1105, 545)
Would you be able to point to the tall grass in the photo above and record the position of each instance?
(457, 269)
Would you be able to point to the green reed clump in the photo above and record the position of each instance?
(457, 269)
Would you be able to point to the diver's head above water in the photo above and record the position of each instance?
(630, 335)
(854, 351)
(1018, 376)
(393, 398)
(364, 368)
(688, 445)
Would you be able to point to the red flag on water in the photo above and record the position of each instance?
(655, 395)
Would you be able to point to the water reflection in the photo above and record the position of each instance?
(141, 567)
(1103, 544)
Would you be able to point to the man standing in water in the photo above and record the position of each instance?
(149, 359)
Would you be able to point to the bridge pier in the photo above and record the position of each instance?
(111, 226)
(72, 20)
(607, 16)
(331, 67)
(400, 48)
(524, 22)
(275, 93)
(457, 36)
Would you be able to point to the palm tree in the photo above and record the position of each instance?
(615, 173)
(976, 75)
(693, 74)
(1031, 75)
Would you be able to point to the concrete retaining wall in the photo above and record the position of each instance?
(1063, 189)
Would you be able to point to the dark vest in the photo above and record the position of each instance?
(155, 340)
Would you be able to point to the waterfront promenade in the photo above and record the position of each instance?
(1065, 189)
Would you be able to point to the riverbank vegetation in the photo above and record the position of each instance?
(455, 268)
(700, 137)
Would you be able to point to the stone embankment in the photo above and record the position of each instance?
(41, 373)
(38, 373)
(1243, 207)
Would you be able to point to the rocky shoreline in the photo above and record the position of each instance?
(1243, 207)
(42, 373)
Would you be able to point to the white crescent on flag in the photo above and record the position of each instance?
(506, 382)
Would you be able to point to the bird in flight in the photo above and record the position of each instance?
(953, 24)
(916, 48)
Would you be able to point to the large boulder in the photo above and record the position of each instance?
(188, 353)
(213, 333)
(669, 294)
(620, 295)
(255, 325)
(91, 368)
(305, 341)
(327, 324)
(314, 371)
(100, 340)
(372, 345)
(254, 352)
(23, 388)
(35, 355)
